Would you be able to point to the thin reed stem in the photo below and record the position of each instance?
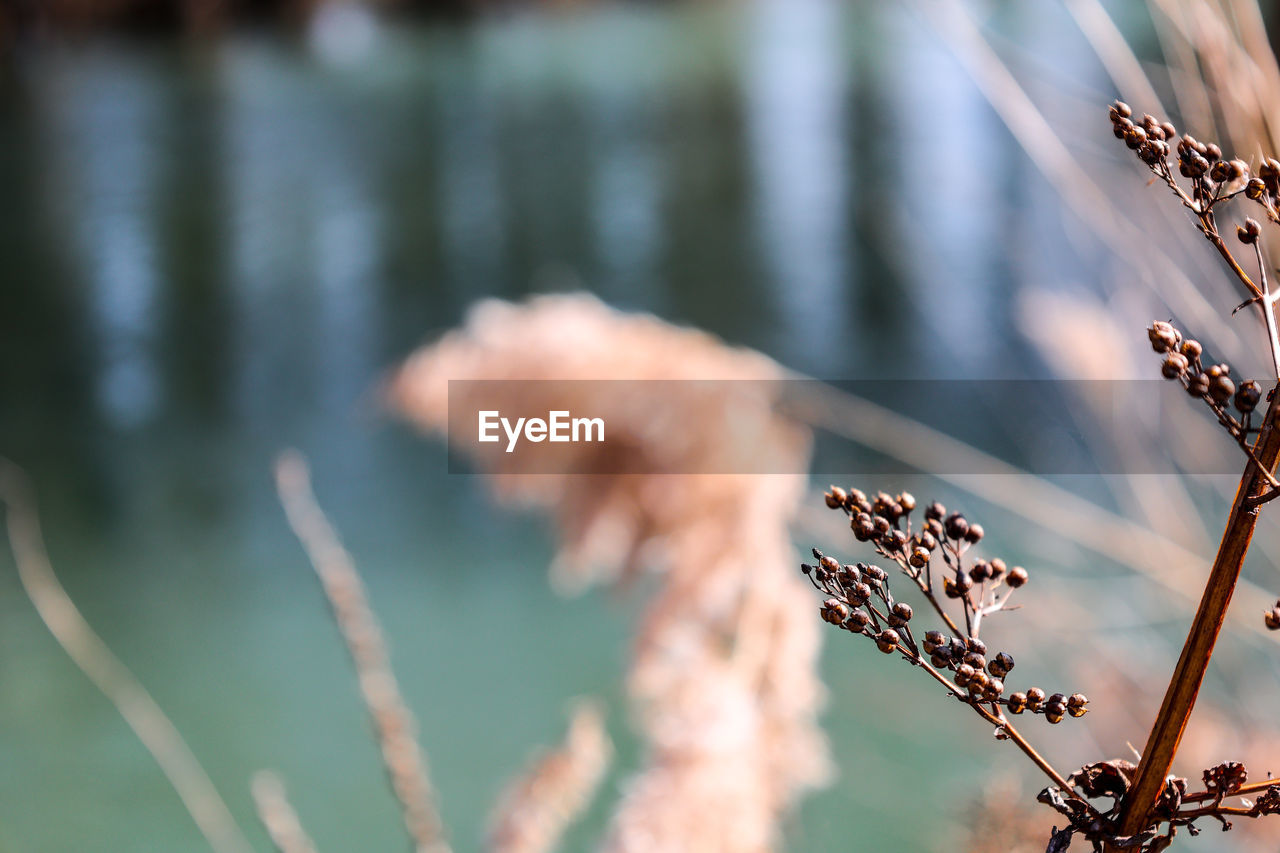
(278, 816)
(112, 678)
(393, 723)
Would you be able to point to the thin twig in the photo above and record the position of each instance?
(401, 754)
(100, 665)
(278, 816)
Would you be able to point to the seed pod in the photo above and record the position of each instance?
(1198, 385)
(940, 660)
(894, 541)
(882, 524)
(1272, 619)
(860, 594)
(901, 611)
(994, 688)
(1239, 169)
(934, 640)
(958, 648)
(858, 621)
(1211, 152)
(927, 540)
(1192, 349)
(828, 563)
(836, 497)
(1077, 705)
(1248, 233)
(1017, 577)
(907, 501)
(873, 572)
(974, 534)
(977, 685)
(980, 571)
(1175, 364)
(1001, 665)
(975, 660)
(919, 558)
(935, 511)
(957, 526)
(998, 568)
(1017, 702)
(1053, 712)
(887, 640)
(834, 612)
(1035, 699)
(1247, 396)
(964, 673)
(1219, 172)
(1255, 188)
(806, 568)
(1170, 132)
(1221, 388)
(863, 529)
(976, 645)
(1163, 336)
(1120, 108)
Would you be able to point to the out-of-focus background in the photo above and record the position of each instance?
(223, 224)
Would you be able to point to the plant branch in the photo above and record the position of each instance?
(1184, 686)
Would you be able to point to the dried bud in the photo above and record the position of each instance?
(900, 614)
(1221, 388)
(956, 526)
(1211, 152)
(887, 641)
(860, 594)
(998, 568)
(1017, 577)
(964, 673)
(1035, 698)
(1120, 109)
(976, 645)
(919, 558)
(935, 511)
(1272, 618)
(1192, 349)
(863, 528)
(1077, 705)
(1001, 665)
(975, 660)
(1248, 233)
(858, 621)
(834, 612)
(934, 640)
(1163, 336)
(836, 497)
(940, 659)
(1054, 711)
(974, 534)
(907, 501)
(994, 688)
(1239, 169)
(1017, 703)
(980, 571)
(1219, 172)
(1247, 396)
(1255, 188)
(1175, 364)
(1198, 385)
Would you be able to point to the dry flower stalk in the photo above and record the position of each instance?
(121, 688)
(392, 721)
(278, 816)
(532, 815)
(723, 677)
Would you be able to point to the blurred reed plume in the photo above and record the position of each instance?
(537, 807)
(722, 679)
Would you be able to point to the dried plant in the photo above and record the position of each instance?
(723, 677)
(532, 815)
(1113, 804)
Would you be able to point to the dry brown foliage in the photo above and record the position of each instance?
(723, 680)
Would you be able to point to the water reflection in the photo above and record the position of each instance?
(213, 256)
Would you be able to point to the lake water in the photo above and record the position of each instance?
(213, 252)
